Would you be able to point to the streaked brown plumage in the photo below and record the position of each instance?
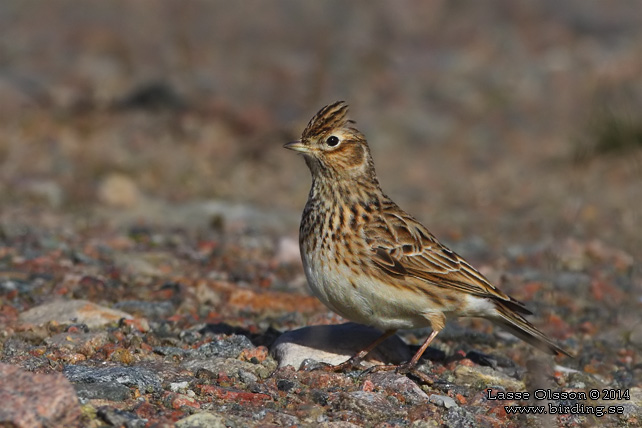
(371, 262)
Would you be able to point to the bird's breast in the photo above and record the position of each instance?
(342, 277)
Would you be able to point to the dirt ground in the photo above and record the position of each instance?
(141, 146)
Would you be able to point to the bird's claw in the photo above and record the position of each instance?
(349, 365)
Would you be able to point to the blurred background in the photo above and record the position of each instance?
(142, 169)
(508, 121)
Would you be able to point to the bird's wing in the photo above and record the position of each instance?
(401, 247)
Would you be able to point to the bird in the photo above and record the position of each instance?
(372, 263)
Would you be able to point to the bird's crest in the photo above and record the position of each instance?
(330, 117)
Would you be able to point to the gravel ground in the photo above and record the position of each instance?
(149, 266)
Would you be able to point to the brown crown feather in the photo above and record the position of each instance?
(328, 118)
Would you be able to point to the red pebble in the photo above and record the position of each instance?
(234, 395)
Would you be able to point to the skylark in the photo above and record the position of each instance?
(370, 262)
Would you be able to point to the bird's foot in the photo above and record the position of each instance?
(349, 365)
(380, 368)
(405, 368)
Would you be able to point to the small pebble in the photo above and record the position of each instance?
(442, 400)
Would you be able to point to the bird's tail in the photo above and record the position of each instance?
(520, 327)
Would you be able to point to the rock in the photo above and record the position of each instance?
(36, 400)
(633, 408)
(174, 400)
(399, 384)
(150, 310)
(425, 424)
(285, 385)
(486, 377)
(288, 251)
(15, 346)
(46, 190)
(246, 377)
(458, 417)
(145, 380)
(277, 419)
(220, 420)
(229, 366)
(369, 405)
(272, 302)
(112, 391)
(227, 347)
(202, 420)
(205, 295)
(631, 412)
(337, 424)
(85, 343)
(118, 191)
(170, 351)
(120, 418)
(67, 312)
(334, 344)
(139, 264)
(443, 401)
(635, 336)
(21, 285)
(636, 396)
(179, 386)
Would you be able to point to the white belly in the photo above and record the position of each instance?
(368, 301)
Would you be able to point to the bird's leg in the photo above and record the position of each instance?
(355, 360)
(438, 322)
(410, 365)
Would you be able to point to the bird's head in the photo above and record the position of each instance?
(333, 147)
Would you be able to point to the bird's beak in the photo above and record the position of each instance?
(297, 146)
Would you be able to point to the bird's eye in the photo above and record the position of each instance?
(332, 141)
